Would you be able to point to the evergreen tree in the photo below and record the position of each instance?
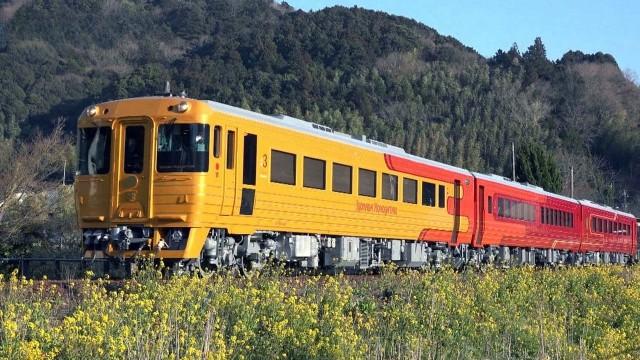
(535, 62)
(535, 166)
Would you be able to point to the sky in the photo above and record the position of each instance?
(610, 26)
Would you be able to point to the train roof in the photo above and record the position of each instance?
(328, 133)
(605, 208)
(527, 187)
(536, 189)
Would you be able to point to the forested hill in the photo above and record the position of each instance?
(356, 70)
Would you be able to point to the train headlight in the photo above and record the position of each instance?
(92, 111)
(182, 107)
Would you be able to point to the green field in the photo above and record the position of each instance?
(525, 313)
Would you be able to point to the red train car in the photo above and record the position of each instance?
(607, 231)
(521, 223)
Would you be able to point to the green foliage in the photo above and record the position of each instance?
(535, 166)
(359, 71)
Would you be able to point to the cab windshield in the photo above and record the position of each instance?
(183, 148)
(94, 150)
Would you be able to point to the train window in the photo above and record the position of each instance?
(593, 224)
(500, 207)
(521, 215)
(133, 149)
(313, 173)
(441, 196)
(531, 215)
(283, 167)
(217, 132)
(409, 191)
(183, 148)
(389, 187)
(366, 182)
(599, 225)
(341, 178)
(570, 220)
(609, 227)
(231, 148)
(490, 205)
(249, 159)
(542, 221)
(94, 150)
(428, 194)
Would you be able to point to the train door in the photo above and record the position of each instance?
(229, 178)
(249, 154)
(132, 182)
(481, 215)
(456, 212)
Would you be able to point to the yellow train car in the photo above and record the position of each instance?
(201, 183)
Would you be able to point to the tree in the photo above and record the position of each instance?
(3, 37)
(536, 64)
(535, 166)
(33, 207)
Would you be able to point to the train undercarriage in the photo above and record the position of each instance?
(331, 253)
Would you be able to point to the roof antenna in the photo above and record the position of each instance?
(167, 89)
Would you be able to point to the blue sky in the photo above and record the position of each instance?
(610, 26)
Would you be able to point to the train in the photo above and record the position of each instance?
(201, 184)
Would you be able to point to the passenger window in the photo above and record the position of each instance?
(366, 182)
(249, 159)
(134, 149)
(520, 206)
(389, 187)
(313, 173)
(283, 167)
(441, 196)
(231, 148)
(428, 194)
(341, 178)
(409, 191)
(490, 204)
(217, 130)
(501, 207)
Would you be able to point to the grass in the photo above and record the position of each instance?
(524, 313)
